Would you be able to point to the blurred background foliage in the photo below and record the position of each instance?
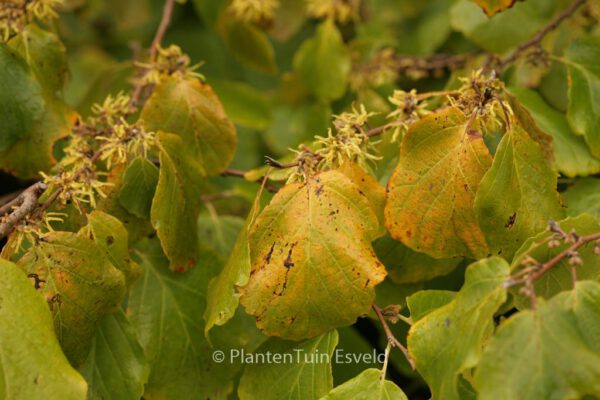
(281, 80)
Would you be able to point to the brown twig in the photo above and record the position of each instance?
(539, 36)
(242, 174)
(25, 204)
(8, 198)
(535, 275)
(274, 163)
(390, 336)
(436, 62)
(162, 28)
(165, 21)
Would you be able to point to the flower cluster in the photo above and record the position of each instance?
(106, 136)
(342, 11)
(409, 109)
(350, 142)
(253, 11)
(15, 14)
(170, 61)
(481, 96)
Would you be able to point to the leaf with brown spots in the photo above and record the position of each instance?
(80, 285)
(369, 186)
(517, 196)
(431, 193)
(313, 267)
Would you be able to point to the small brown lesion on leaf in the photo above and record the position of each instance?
(319, 190)
(511, 221)
(474, 134)
(270, 254)
(288, 263)
(55, 300)
(36, 280)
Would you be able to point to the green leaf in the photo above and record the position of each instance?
(190, 109)
(35, 114)
(81, 285)
(583, 197)
(549, 353)
(323, 63)
(137, 228)
(313, 268)
(517, 196)
(116, 367)
(32, 364)
(431, 193)
(407, 266)
(505, 30)
(219, 232)
(584, 90)
(425, 301)
(296, 124)
(572, 155)
(175, 206)
(46, 56)
(21, 101)
(367, 386)
(222, 298)
(448, 341)
(492, 7)
(138, 188)
(165, 308)
(559, 278)
(250, 45)
(112, 237)
(353, 343)
(245, 105)
(305, 376)
(92, 75)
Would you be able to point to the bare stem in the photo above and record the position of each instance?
(539, 36)
(242, 174)
(162, 28)
(165, 21)
(25, 204)
(535, 275)
(390, 336)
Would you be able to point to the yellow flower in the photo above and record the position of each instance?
(170, 61)
(253, 11)
(339, 10)
(16, 13)
(409, 109)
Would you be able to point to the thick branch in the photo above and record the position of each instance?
(390, 336)
(539, 36)
(25, 204)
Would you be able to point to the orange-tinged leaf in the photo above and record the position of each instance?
(431, 193)
(369, 186)
(313, 267)
(80, 285)
(492, 7)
